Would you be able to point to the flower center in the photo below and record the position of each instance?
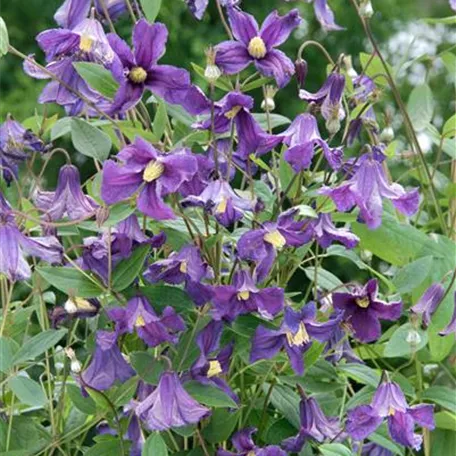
(391, 411)
(257, 48)
(140, 321)
(153, 171)
(214, 368)
(221, 207)
(137, 75)
(231, 114)
(243, 295)
(251, 453)
(276, 239)
(363, 302)
(85, 43)
(183, 267)
(300, 338)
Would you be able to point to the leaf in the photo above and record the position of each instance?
(405, 341)
(161, 296)
(61, 128)
(375, 68)
(382, 438)
(160, 120)
(449, 60)
(105, 448)
(7, 349)
(155, 446)
(209, 395)
(450, 20)
(221, 425)
(334, 449)
(445, 420)
(127, 270)
(361, 373)
(84, 404)
(4, 40)
(97, 77)
(89, 140)
(38, 344)
(26, 435)
(279, 431)
(439, 347)
(222, 83)
(276, 120)
(442, 396)
(27, 391)
(420, 106)
(413, 274)
(286, 401)
(325, 279)
(151, 9)
(70, 281)
(449, 129)
(255, 84)
(147, 367)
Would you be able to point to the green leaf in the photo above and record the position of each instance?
(155, 446)
(84, 404)
(100, 399)
(27, 391)
(449, 129)
(151, 9)
(361, 373)
(334, 449)
(111, 447)
(405, 341)
(71, 281)
(127, 270)
(89, 140)
(420, 106)
(161, 296)
(382, 438)
(26, 435)
(222, 83)
(374, 68)
(255, 84)
(445, 420)
(209, 395)
(450, 20)
(439, 347)
(442, 396)
(276, 120)
(4, 40)
(38, 344)
(412, 275)
(98, 77)
(325, 279)
(7, 349)
(160, 120)
(279, 431)
(286, 401)
(147, 367)
(221, 425)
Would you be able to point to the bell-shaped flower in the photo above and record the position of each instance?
(155, 175)
(254, 45)
(429, 302)
(389, 404)
(451, 327)
(325, 232)
(363, 310)
(366, 189)
(107, 365)
(298, 330)
(325, 16)
(302, 137)
(152, 329)
(243, 297)
(170, 406)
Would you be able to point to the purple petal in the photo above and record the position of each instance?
(276, 29)
(151, 203)
(400, 426)
(362, 421)
(265, 344)
(325, 15)
(243, 25)
(72, 12)
(365, 325)
(118, 183)
(149, 42)
(232, 57)
(277, 65)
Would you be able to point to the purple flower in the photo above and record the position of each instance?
(152, 329)
(115, 8)
(429, 302)
(372, 449)
(15, 245)
(245, 446)
(325, 16)
(363, 310)
(68, 199)
(155, 175)
(170, 406)
(451, 327)
(389, 403)
(243, 297)
(453, 4)
(295, 335)
(366, 188)
(302, 137)
(197, 7)
(107, 365)
(71, 13)
(219, 199)
(314, 425)
(258, 45)
(325, 233)
(261, 245)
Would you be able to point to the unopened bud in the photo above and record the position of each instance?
(268, 103)
(366, 256)
(413, 337)
(387, 135)
(102, 215)
(212, 71)
(70, 306)
(301, 72)
(365, 9)
(333, 125)
(347, 60)
(75, 365)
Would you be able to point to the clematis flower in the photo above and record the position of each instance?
(219, 199)
(107, 365)
(451, 327)
(261, 245)
(68, 198)
(366, 188)
(258, 45)
(325, 16)
(429, 302)
(295, 335)
(170, 406)
(243, 297)
(314, 426)
(302, 137)
(155, 175)
(15, 246)
(140, 316)
(389, 404)
(325, 233)
(363, 310)
(245, 446)
(183, 266)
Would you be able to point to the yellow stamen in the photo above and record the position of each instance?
(214, 368)
(183, 267)
(231, 114)
(140, 321)
(257, 48)
(251, 453)
(153, 171)
(221, 207)
(137, 75)
(300, 338)
(276, 239)
(85, 43)
(243, 295)
(363, 302)
(391, 411)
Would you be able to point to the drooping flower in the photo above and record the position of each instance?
(155, 175)
(245, 446)
(298, 330)
(75, 307)
(219, 199)
(389, 404)
(429, 302)
(170, 406)
(302, 137)
(325, 16)
(367, 187)
(140, 316)
(451, 327)
(107, 365)
(363, 310)
(258, 45)
(68, 198)
(314, 425)
(243, 297)
(15, 246)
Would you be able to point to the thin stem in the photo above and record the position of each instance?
(222, 18)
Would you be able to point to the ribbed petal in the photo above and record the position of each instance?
(149, 42)
(276, 29)
(118, 183)
(232, 57)
(276, 65)
(243, 25)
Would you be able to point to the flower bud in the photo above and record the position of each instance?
(347, 60)
(70, 306)
(212, 71)
(366, 10)
(268, 103)
(387, 135)
(102, 215)
(75, 365)
(333, 125)
(301, 72)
